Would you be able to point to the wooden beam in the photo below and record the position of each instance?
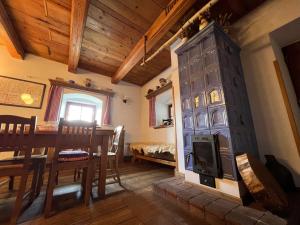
(78, 18)
(158, 29)
(9, 35)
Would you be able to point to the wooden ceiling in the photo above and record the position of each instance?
(111, 29)
(42, 26)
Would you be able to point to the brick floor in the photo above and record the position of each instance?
(237, 216)
(214, 209)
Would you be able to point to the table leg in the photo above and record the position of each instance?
(103, 167)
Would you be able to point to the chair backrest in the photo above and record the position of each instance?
(75, 135)
(116, 139)
(17, 134)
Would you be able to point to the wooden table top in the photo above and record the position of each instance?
(40, 129)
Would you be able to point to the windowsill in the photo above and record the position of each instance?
(163, 126)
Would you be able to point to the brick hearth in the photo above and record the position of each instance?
(215, 209)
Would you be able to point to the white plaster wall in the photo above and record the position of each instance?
(149, 134)
(172, 134)
(38, 69)
(167, 135)
(273, 131)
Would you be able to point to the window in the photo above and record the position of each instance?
(80, 111)
(164, 109)
(77, 106)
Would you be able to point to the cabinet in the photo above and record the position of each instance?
(214, 97)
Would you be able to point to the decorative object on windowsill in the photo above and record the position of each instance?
(163, 126)
(149, 91)
(88, 82)
(283, 176)
(163, 81)
(168, 122)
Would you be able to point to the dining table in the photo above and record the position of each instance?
(45, 137)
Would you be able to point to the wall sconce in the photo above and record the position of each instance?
(125, 99)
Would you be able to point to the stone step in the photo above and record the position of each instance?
(214, 209)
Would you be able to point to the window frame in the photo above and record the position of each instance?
(69, 103)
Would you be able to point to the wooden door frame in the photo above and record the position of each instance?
(288, 106)
(175, 127)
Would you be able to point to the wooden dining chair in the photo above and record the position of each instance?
(113, 158)
(38, 159)
(17, 134)
(74, 149)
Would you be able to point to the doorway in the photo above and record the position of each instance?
(292, 58)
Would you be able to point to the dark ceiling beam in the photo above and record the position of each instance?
(78, 19)
(9, 35)
(158, 29)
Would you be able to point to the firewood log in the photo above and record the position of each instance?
(261, 184)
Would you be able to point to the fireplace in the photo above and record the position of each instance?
(214, 102)
(206, 156)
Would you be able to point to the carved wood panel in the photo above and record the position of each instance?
(201, 120)
(217, 117)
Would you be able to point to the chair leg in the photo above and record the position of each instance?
(133, 159)
(35, 180)
(50, 190)
(88, 185)
(41, 177)
(75, 175)
(11, 183)
(19, 200)
(110, 165)
(83, 180)
(56, 178)
(117, 170)
(78, 174)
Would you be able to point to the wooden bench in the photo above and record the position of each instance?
(138, 150)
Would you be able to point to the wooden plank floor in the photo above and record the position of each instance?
(133, 204)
